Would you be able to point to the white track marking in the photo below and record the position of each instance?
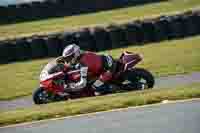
(113, 110)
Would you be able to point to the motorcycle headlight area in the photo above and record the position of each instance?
(43, 75)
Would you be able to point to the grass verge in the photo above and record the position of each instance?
(163, 59)
(104, 17)
(95, 104)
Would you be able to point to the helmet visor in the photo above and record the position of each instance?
(68, 59)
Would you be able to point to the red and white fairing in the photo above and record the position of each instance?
(129, 59)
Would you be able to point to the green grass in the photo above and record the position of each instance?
(95, 104)
(163, 59)
(104, 17)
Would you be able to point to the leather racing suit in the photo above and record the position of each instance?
(92, 65)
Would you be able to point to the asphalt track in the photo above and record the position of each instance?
(181, 117)
(163, 82)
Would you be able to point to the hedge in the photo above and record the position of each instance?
(53, 8)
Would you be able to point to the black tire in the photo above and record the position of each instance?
(38, 47)
(39, 98)
(101, 38)
(47, 97)
(135, 75)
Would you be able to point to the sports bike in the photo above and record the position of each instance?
(127, 77)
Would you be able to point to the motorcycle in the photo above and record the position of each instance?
(127, 77)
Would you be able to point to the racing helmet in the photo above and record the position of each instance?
(71, 53)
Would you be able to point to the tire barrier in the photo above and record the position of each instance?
(131, 33)
(58, 8)
(7, 52)
(149, 31)
(68, 37)
(190, 23)
(196, 20)
(100, 38)
(162, 28)
(54, 45)
(117, 36)
(134, 32)
(176, 26)
(23, 49)
(38, 47)
(85, 39)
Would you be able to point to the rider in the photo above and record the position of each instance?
(90, 65)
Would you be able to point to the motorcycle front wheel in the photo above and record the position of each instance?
(41, 96)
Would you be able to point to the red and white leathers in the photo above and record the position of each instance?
(93, 65)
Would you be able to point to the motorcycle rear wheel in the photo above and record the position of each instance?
(138, 79)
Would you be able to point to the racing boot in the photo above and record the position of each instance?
(101, 88)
